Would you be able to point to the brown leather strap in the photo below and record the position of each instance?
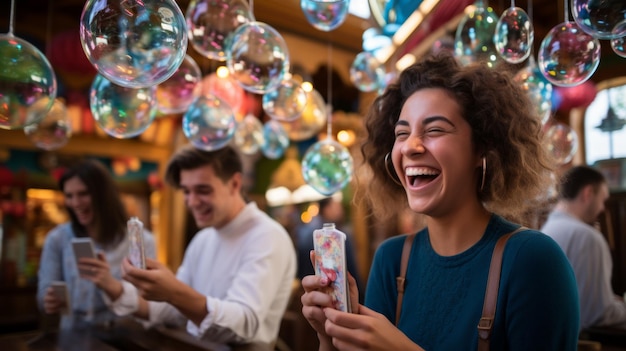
(400, 280)
(485, 325)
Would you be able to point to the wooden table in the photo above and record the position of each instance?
(125, 335)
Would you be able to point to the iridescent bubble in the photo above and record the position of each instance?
(366, 73)
(514, 35)
(286, 102)
(135, 44)
(276, 139)
(249, 135)
(312, 120)
(601, 19)
(120, 111)
(53, 131)
(568, 56)
(561, 141)
(325, 15)
(209, 123)
(619, 46)
(327, 166)
(226, 89)
(538, 89)
(257, 57)
(209, 22)
(474, 36)
(28, 85)
(178, 91)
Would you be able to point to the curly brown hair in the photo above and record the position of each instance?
(505, 129)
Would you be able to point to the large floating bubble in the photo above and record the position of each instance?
(28, 85)
(619, 46)
(474, 37)
(181, 89)
(226, 89)
(53, 131)
(276, 139)
(561, 141)
(568, 56)
(120, 111)
(604, 19)
(135, 44)
(325, 15)
(366, 72)
(249, 135)
(514, 35)
(209, 123)
(209, 22)
(327, 166)
(257, 57)
(286, 102)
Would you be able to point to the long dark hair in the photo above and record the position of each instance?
(109, 213)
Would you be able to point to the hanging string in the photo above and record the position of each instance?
(12, 18)
(252, 18)
(329, 92)
(49, 28)
(566, 11)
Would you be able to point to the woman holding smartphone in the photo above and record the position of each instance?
(96, 212)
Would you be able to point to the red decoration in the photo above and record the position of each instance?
(577, 96)
(66, 53)
(57, 173)
(6, 176)
(155, 181)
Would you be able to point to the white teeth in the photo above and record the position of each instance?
(420, 171)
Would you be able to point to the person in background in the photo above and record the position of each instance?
(96, 211)
(582, 194)
(237, 273)
(330, 211)
(460, 145)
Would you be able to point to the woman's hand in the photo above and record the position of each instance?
(51, 304)
(367, 330)
(98, 271)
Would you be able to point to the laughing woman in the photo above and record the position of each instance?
(97, 212)
(461, 146)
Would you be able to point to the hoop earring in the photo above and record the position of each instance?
(394, 178)
(482, 182)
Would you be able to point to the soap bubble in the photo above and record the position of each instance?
(312, 120)
(120, 111)
(286, 102)
(249, 135)
(276, 139)
(53, 131)
(181, 89)
(561, 141)
(568, 56)
(601, 19)
(209, 23)
(366, 73)
(209, 123)
(257, 57)
(325, 15)
(226, 89)
(135, 44)
(474, 37)
(327, 166)
(514, 35)
(28, 85)
(538, 89)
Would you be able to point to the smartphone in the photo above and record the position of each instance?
(136, 253)
(330, 262)
(60, 292)
(83, 247)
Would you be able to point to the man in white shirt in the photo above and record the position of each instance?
(236, 277)
(582, 194)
